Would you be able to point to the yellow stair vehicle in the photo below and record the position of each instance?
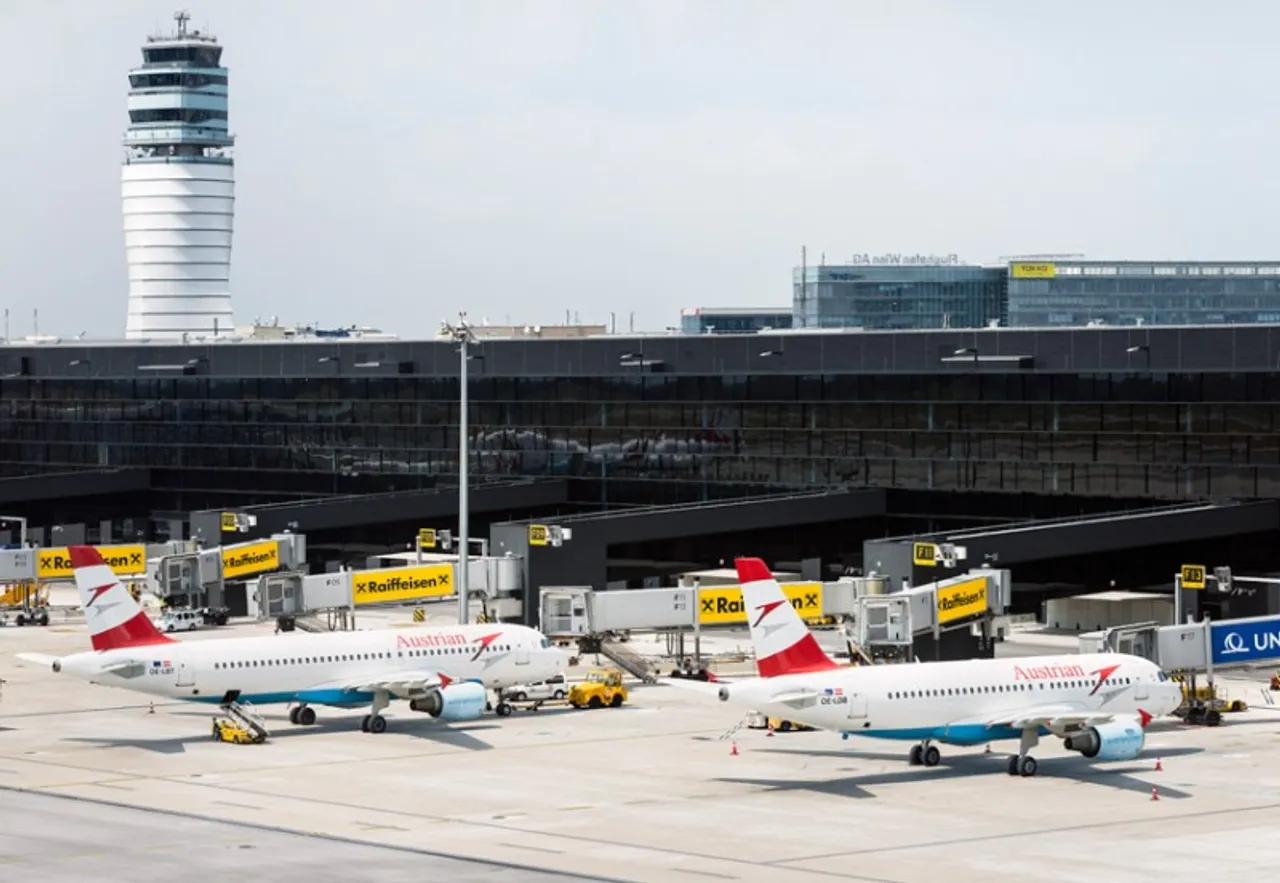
(227, 730)
(602, 687)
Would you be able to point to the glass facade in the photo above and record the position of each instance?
(1121, 433)
(726, 320)
(1046, 294)
(899, 296)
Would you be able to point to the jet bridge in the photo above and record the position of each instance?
(889, 624)
(887, 627)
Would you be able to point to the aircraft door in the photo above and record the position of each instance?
(186, 675)
(1140, 691)
(857, 705)
(522, 654)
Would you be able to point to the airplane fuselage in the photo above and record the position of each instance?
(295, 667)
(949, 702)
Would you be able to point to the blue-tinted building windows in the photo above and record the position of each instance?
(878, 297)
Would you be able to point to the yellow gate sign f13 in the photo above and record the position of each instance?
(1193, 576)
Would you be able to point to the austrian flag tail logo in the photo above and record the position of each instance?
(1103, 674)
(765, 610)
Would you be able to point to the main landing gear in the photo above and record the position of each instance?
(302, 715)
(1022, 763)
(374, 722)
(925, 754)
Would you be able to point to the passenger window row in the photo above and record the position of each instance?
(355, 657)
(1004, 688)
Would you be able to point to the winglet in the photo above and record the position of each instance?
(783, 643)
(115, 620)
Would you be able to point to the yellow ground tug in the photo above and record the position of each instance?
(602, 687)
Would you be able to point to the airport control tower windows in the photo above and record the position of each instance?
(175, 115)
(196, 56)
(176, 80)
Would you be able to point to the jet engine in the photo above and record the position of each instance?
(456, 702)
(1117, 740)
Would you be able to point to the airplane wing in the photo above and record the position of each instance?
(1057, 718)
(407, 684)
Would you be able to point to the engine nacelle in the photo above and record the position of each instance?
(1118, 740)
(456, 702)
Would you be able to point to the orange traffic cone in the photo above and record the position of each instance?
(1154, 795)
(733, 752)
(152, 708)
(1159, 766)
(769, 731)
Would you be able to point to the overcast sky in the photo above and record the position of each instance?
(399, 161)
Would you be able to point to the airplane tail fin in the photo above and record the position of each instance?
(783, 643)
(115, 620)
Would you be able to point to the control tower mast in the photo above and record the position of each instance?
(178, 187)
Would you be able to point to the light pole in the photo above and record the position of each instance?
(463, 336)
(1141, 348)
(969, 351)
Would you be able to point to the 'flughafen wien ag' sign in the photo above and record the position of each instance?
(900, 259)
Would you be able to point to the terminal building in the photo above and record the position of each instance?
(821, 447)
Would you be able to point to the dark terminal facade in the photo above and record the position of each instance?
(973, 426)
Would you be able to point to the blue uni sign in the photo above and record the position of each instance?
(1245, 640)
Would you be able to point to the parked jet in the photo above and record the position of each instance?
(1098, 704)
(443, 671)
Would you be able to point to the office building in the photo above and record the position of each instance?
(891, 292)
(1075, 292)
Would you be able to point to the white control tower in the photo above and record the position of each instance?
(178, 189)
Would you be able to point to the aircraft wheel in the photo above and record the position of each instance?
(1027, 767)
(931, 756)
(306, 716)
(364, 724)
(914, 758)
(377, 724)
(1013, 765)
(293, 715)
(1212, 717)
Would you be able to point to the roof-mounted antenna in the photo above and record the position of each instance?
(182, 17)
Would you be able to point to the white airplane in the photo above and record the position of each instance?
(443, 671)
(1099, 704)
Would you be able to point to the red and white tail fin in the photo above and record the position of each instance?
(115, 619)
(783, 643)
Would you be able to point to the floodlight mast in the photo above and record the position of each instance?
(462, 334)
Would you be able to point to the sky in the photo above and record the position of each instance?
(398, 162)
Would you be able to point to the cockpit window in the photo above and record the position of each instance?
(545, 643)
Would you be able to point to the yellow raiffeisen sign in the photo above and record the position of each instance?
(123, 560)
(251, 559)
(1025, 270)
(723, 605)
(402, 583)
(968, 598)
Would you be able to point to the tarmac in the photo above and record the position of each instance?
(648, 792)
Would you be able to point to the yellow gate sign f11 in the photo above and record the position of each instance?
(962, 600)
(248, 560)
(724, 606)
(125, 560)
(924, 554)
(392, 584)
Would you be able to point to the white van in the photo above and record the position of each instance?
(552, 688)
(180, 621)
